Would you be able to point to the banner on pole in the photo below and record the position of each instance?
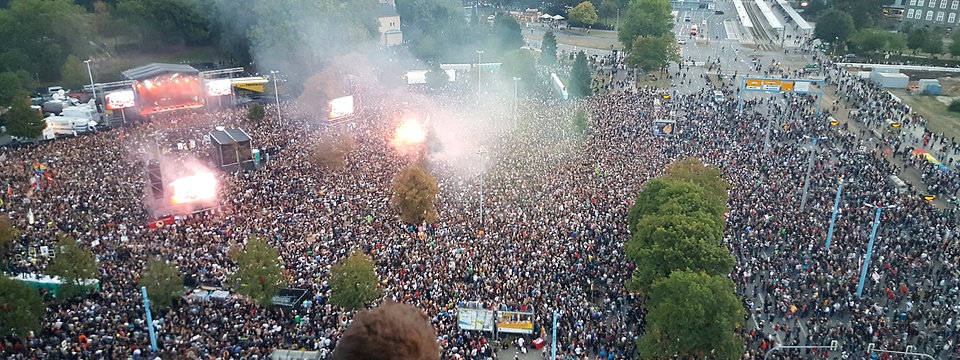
(515, 322)
(475, 319)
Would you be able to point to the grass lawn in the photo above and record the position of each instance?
(938, 118)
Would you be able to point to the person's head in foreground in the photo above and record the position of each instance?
(392, 331)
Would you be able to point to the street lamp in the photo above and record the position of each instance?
(479, 73)
(515, 99)
(276, 92)
(90, 73)
(873, 236)
(806, 181)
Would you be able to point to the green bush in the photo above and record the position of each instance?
(955, 105)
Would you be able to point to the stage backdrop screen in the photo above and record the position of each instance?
(119, 100)
(218, 87)
(341, 107)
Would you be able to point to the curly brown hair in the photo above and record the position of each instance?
(391, 331)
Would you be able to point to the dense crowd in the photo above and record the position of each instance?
(550, 239)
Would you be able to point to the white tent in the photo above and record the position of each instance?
(558, 17)
(546, 16)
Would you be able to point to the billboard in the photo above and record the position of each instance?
(219, 87)
(475, 319)
(777, 85)
(341, 107)
(515, 322)
(119, 100)
(664, 127)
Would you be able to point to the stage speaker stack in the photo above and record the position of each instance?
(155, 178)
(231, 149)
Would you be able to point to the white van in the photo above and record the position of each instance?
(898, 184)
(718, 96)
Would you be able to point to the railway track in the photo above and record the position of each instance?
(759, 29)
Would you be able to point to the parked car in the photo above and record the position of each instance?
(718, 12)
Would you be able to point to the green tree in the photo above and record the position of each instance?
(506, 34)
(10, 88)
(870, 40)
(653, 52)
(693, 315)
(353, 282)
(415, 194)
(256, 112)
(519, 63)
(580, 77)
(896, 42)
(954, 47)
(21, 309)
(258, 275)
(73, 264)
(433, 27)
(8, 233)
(580, 124)
(917, 38)
(834, 24)
(37, 35)
(933, 45)
(715, 188)
(437, 78)
(664, 244)
(548, 49)
(583, 15)
(645, 18)
(23, 121)
(163, 281)
(663, 196)
(73, 74)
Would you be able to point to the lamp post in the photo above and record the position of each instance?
(873, 236)
(479, 74)
(276, 92)
(516, 99)
(553, 338)
(806, 181)
(836, 208)
(146, 307)
(90, 73)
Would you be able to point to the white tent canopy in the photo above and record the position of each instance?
(558, 17)
(546, 16)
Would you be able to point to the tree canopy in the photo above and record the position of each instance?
(258, 275)
(432, 26)
(584, 14)
(693, 315)
(73, 264)
(834, 24)
(548, 49)
(21, 309)
(580, 77)
(505, 34)
(415, 195)
(8, 233)
(677, 224)
(353, 282)
(23, 121)
(653, 52)
(163, 281)
(645, 18)
(38, 35)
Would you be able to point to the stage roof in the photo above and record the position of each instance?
(151, 70)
